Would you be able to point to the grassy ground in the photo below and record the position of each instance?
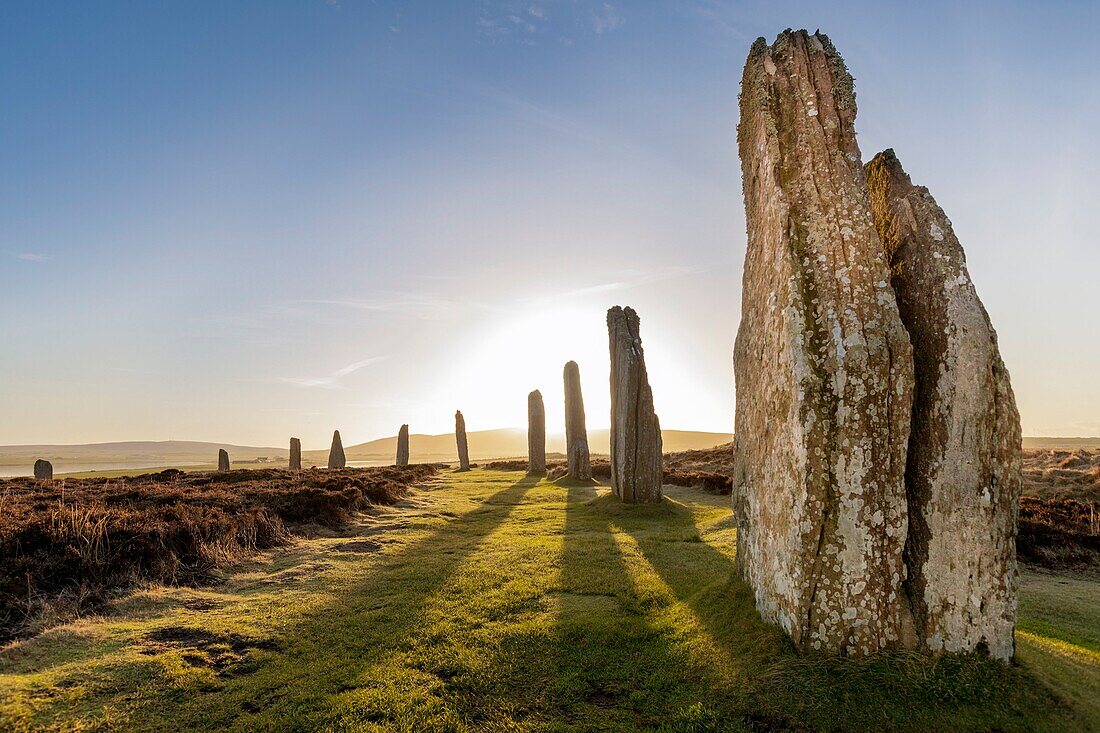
(495, 602)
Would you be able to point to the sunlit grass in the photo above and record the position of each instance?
(499, 602)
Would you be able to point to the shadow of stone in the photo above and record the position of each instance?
(320, 658)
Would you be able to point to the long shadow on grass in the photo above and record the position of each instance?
(326, 654)
(605, 663)
(890, 691)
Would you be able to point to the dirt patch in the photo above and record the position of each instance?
(361, 546)
(305, 571)
(226, 653)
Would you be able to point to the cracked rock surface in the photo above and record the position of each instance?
(823, 365)
(963, 477)
(636, 461)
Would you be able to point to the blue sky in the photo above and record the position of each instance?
(242, 221)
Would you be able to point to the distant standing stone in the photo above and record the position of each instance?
(43, 469)
(403, 446)
(536, 433)
(336, 457)
(636, 462)
(295, 454)
(460, 438)
(223, 460)
(576, 434)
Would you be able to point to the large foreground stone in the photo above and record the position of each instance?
(578, 459)
(460, 439)
(223, 460)
(403, 446)
(43, 469)
(536, 433)
(963, 478)
(295, 454)
(336, 458)
(636, 461)
(823, 365)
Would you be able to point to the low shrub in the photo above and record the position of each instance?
(1058, 533)
(74, 543)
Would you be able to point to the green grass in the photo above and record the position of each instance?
(495, 602)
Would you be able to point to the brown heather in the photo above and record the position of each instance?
(71, 544)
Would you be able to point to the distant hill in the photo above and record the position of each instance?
(1061, 443)
(501, 443)
(484, 444)
(130, 454)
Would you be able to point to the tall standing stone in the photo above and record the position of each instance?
(576, 434)
(636, 461)
(403, 446)
(963, 475)
(223, 460)
(295, 454)
(823, 365)
(336, 458)
(536, 433)
(43, 469)
(463, 446)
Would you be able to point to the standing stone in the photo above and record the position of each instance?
(403, 446)
(636, 461)
(223, 460)
(823, 365)
(536, 433)
(463, 447)
(295, 454)
(963, 475)
(336, 457)
(43, 469)
(576, 434)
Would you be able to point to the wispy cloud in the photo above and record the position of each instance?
(509, 18)
(716, 14)
(30, 256)
(607, 18)
(526, 22)
(424, 307)
(331, 381)
(629, 279)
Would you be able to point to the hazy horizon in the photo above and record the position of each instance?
(254, 221)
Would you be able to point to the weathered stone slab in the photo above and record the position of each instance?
(43, 469)
(636, 460)
(336, 458)
(578, 459)
(963, 476)
(403, 446)
(536, 433)
(295, 454)
(460, 439)
(223, 460)
(823, 365)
